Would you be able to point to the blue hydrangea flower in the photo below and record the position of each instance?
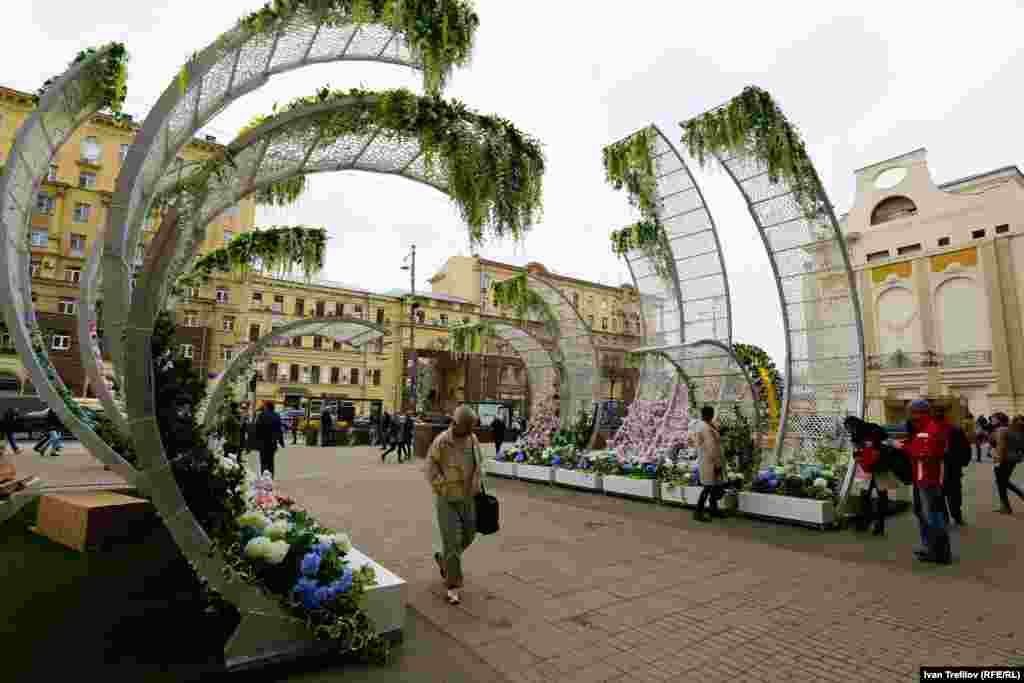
(324, 594)
(556, 460)
(310, 564)
(627, 467)
(322, 548)
(652, 469)
(521, 457)
(307, 590)
(343, 584)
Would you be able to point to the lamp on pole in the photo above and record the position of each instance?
(411, 267)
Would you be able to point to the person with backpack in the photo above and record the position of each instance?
(268, 434)
(885, 465)
(1007, 454)
(958, 456)
(926, 444)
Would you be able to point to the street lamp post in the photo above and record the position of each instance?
(411, 267)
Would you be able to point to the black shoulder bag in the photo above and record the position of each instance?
(486, 509)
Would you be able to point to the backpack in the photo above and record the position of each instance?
(1014, 446)
(959, 448)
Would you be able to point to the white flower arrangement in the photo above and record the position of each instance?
(254, 519)
(341, 541)
(278, 530)
(820, 483)
(262, 548)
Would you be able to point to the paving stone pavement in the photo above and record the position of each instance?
(584, 587)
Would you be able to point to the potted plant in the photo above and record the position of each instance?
(538, 466)
(632, 476)
(573, 468)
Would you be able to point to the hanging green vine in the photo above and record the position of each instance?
(515, 293)
(284, 193)
(440, 33)
(105, 79)
(468, 338)
(763, 373)
(276, 250)
(629, 164)
(753, 125)
(493, 171)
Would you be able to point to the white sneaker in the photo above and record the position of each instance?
(453, 597)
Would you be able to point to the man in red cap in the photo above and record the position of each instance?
(927, 447)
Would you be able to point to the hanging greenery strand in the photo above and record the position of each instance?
(493, 171)
(284, 193)
(440, 33)
(276, 250)
(515, 294)
(629, 164)
(105, 78)
(752, 125)
(468, 338)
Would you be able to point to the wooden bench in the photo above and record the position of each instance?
(90, 520)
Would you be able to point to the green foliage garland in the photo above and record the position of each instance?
(276, 249)
(439, 32)
(494, 172)
(515, 293)
(105, 79)
(754, 358)
(468, 338)
(284, 193)
(629, 164)
(753, 125)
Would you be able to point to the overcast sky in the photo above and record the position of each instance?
(862, 87)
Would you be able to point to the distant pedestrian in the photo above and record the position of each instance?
(958, 456)
(54, 437)
(454, 469)
(385, 431)
(498, 429)
(983, 435)
(326, 428)
(268, 434)
(711, 465)
(296, 423)
(394, 439)
(11, 424)
(408, 429)
(1006, 455)
(927, 447)
(246, 426)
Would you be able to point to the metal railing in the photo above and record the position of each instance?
(906, 360)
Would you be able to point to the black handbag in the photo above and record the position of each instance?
(486, 512)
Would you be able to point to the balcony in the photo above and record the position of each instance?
(903, 360)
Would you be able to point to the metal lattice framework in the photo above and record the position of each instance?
(351, 331)
(236, 64)
(687, 316)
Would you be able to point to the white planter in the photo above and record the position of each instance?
(537, 473)
(803, 510)
(580, 480)
(502, 469)
(683, 495)
(385, 602)
(626, 486)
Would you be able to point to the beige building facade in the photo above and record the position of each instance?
(940, 274)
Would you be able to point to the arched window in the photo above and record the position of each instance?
(91, 149)
(893, 208)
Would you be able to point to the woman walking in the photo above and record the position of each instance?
(10, 426)
(711, 465)
(393, 438)
(1006, 455)
(454, 469)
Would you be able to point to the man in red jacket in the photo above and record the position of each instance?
(926, 444)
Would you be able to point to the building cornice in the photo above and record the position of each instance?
(555, 276)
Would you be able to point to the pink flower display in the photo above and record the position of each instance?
(653, 426)
(540, 430)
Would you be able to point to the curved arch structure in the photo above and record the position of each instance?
(825, 369)
(238, 63)
(687, 317)
(61, 110)
(352, 331)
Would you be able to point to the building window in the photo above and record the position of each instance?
(257, 298)
(320, 306)
(604, 323)
(337, 345)
(82, 212)
(37, 269)
(943, 241)
(51, 175)
(420, 316)
(576, 299)
(297, 342)
(191, 292)
(909, 249)
(91, 149)
(358, 311)
(226, 353)
(72, 275)
(1002, 229)
(45, 204)
(875, 255)
(339, 308)
(272, 372)
(61, 342)
(353, 376)
(87, 180)
(67, 306)
(124, 152)
(77, 244)
(314, 374)
(305, 375)
(892, 209)
(293, 373)
(191, 319)
(40, 238)
(278, 306)
(186, 351)
(978, 234)
(318, 341)
(380, 316)
(376, 377)
(444, 319)
(222, 295)
(6, 341)
(254, 332)
(335, 375)
(229, 323)
(300, 307)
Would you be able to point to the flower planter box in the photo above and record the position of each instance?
(502, 469)
(577, 479)
(681, 495)
(627, 486)
(537, 473)
(819, 513)
(385, 602)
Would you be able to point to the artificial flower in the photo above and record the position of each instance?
(258, 548)
(310, 565)
(307, 590)
(255, 520)
(820, 483)
(278, 530)
(341, 541)
(277, 552)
